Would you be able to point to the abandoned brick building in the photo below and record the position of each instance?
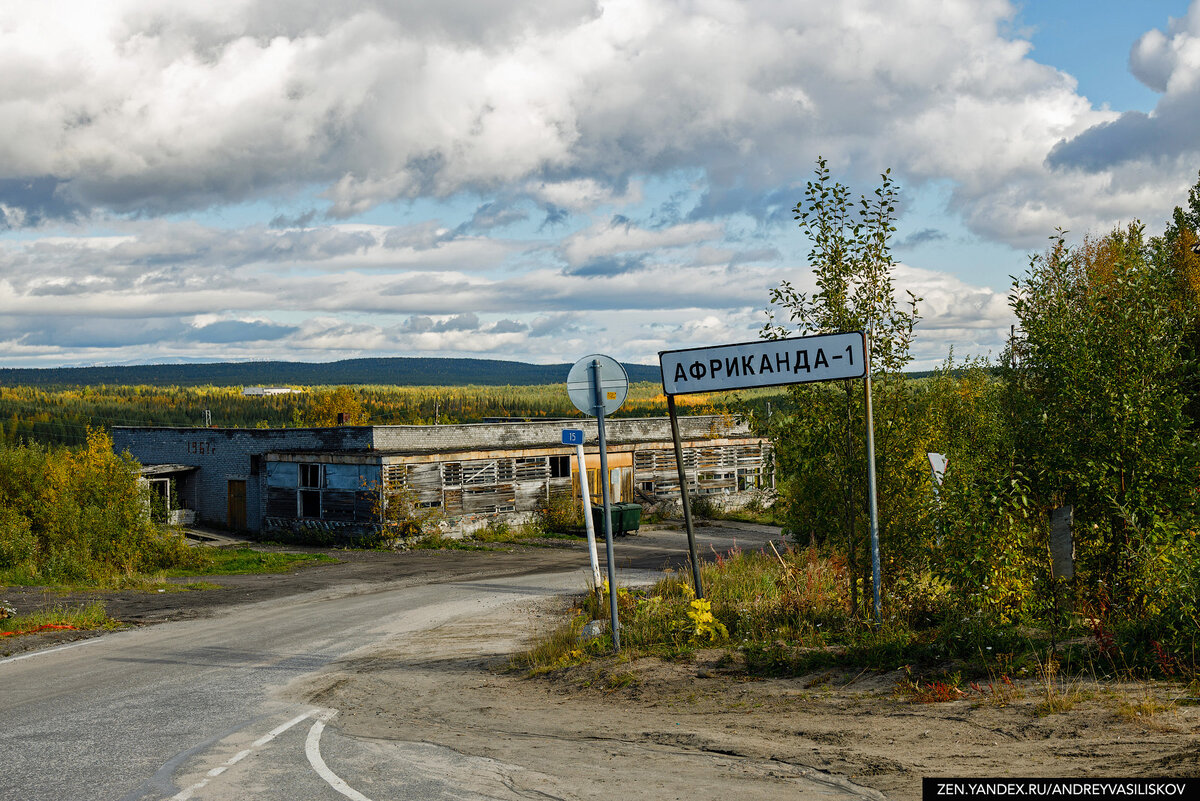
(260, 479)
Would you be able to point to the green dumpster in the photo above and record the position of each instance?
(626, 517)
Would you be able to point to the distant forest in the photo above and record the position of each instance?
(57, 406)
(402, 372)
(63, 415)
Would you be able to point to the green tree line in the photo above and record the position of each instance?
(63, 416)
(1093, 406)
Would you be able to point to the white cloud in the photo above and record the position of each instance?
(133, 108)
(589, 112)
(1134, 153)
(622, 236)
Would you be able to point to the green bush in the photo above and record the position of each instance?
(561, 514)
(79, 515)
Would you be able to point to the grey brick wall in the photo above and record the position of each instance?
(223, 454)
(500, 436)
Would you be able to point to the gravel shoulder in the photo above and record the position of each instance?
(704, 729)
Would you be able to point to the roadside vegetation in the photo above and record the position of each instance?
(78, 518)
(245, 561)
(86, 617)
(1093, 406)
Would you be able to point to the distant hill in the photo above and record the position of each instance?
(395, 371)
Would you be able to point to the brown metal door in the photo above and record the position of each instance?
(237, 504)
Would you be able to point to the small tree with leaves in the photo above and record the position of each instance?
(819, 443)
(339, 406)
(1098, 400)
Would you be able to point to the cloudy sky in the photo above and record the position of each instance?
(313, 180)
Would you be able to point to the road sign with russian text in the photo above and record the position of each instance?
(765, 363)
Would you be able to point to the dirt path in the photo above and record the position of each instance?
(353, 567)
(696, 730)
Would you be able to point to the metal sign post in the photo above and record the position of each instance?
(604, 494)
(598, 385)
(685, 500)
(767, 363)
(574, 436)
(872, 496)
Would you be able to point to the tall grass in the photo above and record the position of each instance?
(87, 616)
(787, 612)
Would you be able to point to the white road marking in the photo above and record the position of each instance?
(243, 754)
(184, 795)
(312, 748)
(32, 654)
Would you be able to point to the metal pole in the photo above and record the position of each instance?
(697, 584)
(848, 477)
(587, 516)
(608, 542)
(871, 493)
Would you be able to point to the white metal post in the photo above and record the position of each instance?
(586, 499)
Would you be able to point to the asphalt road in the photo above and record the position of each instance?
(197, 708)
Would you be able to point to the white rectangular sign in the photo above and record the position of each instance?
(765, 363)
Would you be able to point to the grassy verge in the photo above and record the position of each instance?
(788, 614)
(87, 617)
(202, 562)
(764, 517)
(243, 561)
(496, 533)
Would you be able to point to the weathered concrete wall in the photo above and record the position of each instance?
(541, 434)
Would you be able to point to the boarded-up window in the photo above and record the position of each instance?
(424, 481)
(531, 468)
(283, 474)
(483, 486)
(476, 474)
(343, 477)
